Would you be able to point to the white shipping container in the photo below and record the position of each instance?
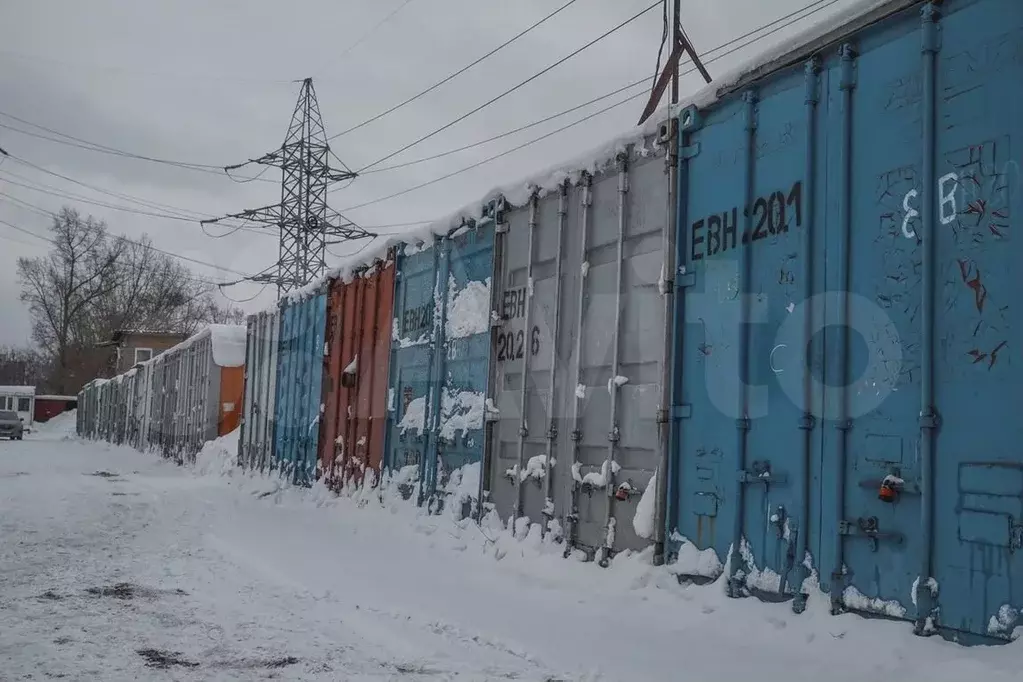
(577, 358)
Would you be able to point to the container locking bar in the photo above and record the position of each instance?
(867, 526)
(761, 473)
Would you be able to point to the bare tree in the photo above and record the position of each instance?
(92, 284)
(60, 287)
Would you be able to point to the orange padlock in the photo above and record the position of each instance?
(888, 491)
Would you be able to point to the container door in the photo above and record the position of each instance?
(248, 424)
(977, 497)
(462, 359)
(332, 381)
(268, 452)
(746, 431)
(374, 364)
(316, 324)
(284, 437)
(416, 292)
(872, 546)
(368, 310)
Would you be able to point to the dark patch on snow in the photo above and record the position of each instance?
(281, 662)
(50, 595)
(104, 474)
(415, 669)
(62, 640)
(158, 658)
(128, 591)
(14, 474)
(123, 494)
(274, 663)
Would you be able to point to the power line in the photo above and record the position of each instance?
(508, 133)
(88, 145)
(71, 196)
(178, 214)
(514, 88)
(52, 242)
(456, 74)
(28, 232)
(374, 29)
(820, 5)
(496, 156)
(48, 190)
(136, 242)
(559, 114)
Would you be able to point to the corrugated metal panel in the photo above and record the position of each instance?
(411, 363)
(358, 345)
(439, 359)
(859, 206)
(174, 403)
(300, 386)
(262, 337)
(579, 305)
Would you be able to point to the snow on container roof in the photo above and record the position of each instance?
(228, 344)
(789, 51)
(21, 390)
(228, 341)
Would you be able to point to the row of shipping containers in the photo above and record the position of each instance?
(175, 402)
(773, 337)
(770, 338)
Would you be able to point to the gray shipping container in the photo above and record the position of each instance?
(579, 319)
(257, 435)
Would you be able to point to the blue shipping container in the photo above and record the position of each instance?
(856, 200)
(299, 386)
(439, 358)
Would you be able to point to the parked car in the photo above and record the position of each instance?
(11, 425)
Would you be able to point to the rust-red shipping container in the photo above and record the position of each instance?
(355, 381)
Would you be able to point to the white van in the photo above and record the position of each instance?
(20, 399)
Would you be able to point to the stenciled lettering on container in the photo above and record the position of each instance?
(511, 345)
(772, 214)
(417, 319)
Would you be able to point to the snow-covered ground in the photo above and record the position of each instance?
(116, 565)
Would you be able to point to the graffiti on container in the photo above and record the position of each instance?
(976, 194)
(971, 277)
(718, 233)
(947, 185)
(417, 319)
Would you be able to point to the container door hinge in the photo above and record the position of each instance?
(867, 526)
(689, 151)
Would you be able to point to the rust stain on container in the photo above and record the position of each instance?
(355, 377)
(232, 381)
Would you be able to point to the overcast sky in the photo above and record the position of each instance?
(213, 83)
